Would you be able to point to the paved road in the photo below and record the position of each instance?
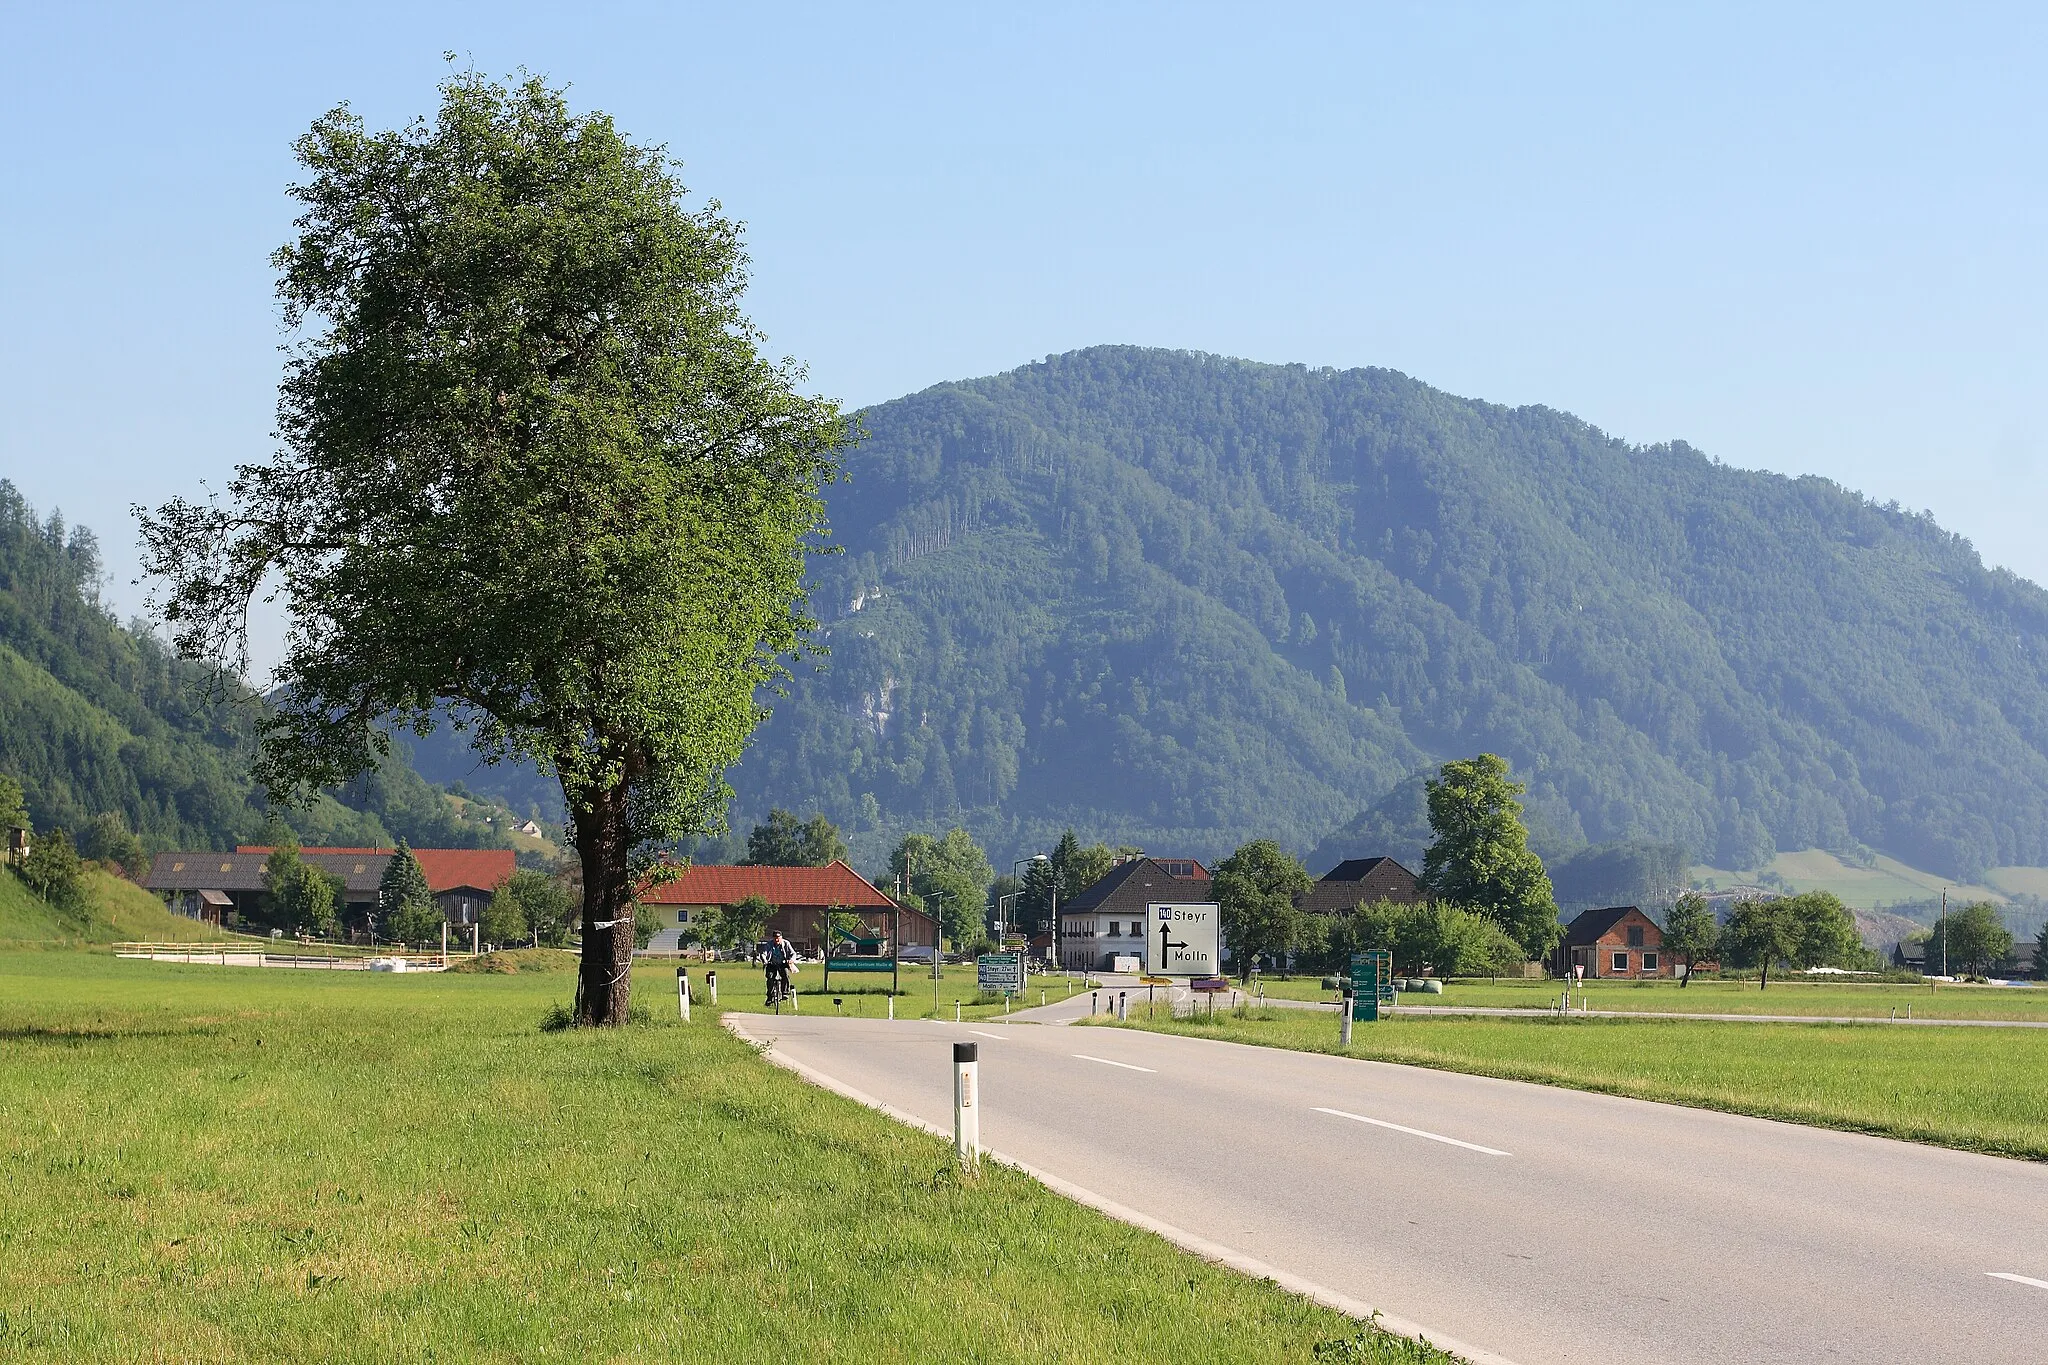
(1536, 1224)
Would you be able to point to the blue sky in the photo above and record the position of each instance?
(1807, 241)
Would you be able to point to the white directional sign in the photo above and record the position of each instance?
(1183, 940)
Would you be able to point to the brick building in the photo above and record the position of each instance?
(1619, 942)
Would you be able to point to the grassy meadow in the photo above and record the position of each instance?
(244, 1164)
(1801, 996)
(1977, 1089)
(115, 909)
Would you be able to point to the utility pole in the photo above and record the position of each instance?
(1944, 931)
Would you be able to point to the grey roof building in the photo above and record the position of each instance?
(1357, 881)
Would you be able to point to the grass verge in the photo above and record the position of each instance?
(1974, 1089)
(249, 1165)
(1830, 1000)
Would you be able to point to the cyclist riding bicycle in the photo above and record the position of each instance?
(776, 959)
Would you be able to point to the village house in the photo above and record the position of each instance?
(1361, 881)
(802, 896)
(1619, 942)
(1106, 919)
(221, 888)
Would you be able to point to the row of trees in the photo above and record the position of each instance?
(1493, 906)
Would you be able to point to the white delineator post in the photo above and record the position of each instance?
(683, 992)
(1344, 1029)
(711, 984)
(966, 1103)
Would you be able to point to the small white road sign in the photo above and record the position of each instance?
(1183, 940)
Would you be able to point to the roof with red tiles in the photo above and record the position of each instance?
(447, 869)
(833, 884)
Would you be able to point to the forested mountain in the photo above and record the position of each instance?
(95, 718)
(1178, 600)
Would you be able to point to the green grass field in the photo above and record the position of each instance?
(1833, 999)
(245, 1164)
(1886, 882)
(1977, 1089)
(116, 909)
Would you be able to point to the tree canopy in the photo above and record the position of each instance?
(782, 840)
(535, 480)
(1256, 887)
(1481, 857)
(1975, 936)
(950, 871)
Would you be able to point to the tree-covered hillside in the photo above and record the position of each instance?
(96, 719)
(1178, 600)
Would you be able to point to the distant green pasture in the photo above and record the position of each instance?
(1796, 995)
(1974, 1088)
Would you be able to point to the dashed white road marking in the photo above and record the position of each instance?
(1412, 1132)
(1106, 1062)
(2017, 1279)
(979, 1034)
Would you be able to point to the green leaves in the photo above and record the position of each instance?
(1256, 887)
(1481, 857)
(533, 468)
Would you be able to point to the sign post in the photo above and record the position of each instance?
(1371, 985)
(1003, 972)
(1184, 939)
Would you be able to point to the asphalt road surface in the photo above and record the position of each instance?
(1534, 1224)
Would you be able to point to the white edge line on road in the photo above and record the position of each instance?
(1187, 1241)
(979, 1034)
(1412, 1132)
(2017, 1279)
(1106, 1062)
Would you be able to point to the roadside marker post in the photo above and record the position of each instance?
(683, 992)
(1123, 1006)
(892, 1009)
(966, 1108)
(1344, 1031)
(711, 984)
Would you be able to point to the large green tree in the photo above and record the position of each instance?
(1690, 932)
(1481, 858)
(1256, 887)
(1975, 935)
(535, 477)
(782, 840)
(405, 901)
(950, 870)
(1761, 934)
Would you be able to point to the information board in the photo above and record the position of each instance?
(1184, 939)
(1001, 972)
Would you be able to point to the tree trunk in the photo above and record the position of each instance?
(1763, 981)
(604, 978)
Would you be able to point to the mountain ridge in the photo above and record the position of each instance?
(1366, 575)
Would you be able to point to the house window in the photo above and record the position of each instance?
(1115, 929)
(1621, 962)
(682, 917)
(1635, 936)
(1649, 962)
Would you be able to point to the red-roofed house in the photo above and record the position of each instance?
(462, 879)
(802, 897)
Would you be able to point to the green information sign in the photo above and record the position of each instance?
(1372, 984)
